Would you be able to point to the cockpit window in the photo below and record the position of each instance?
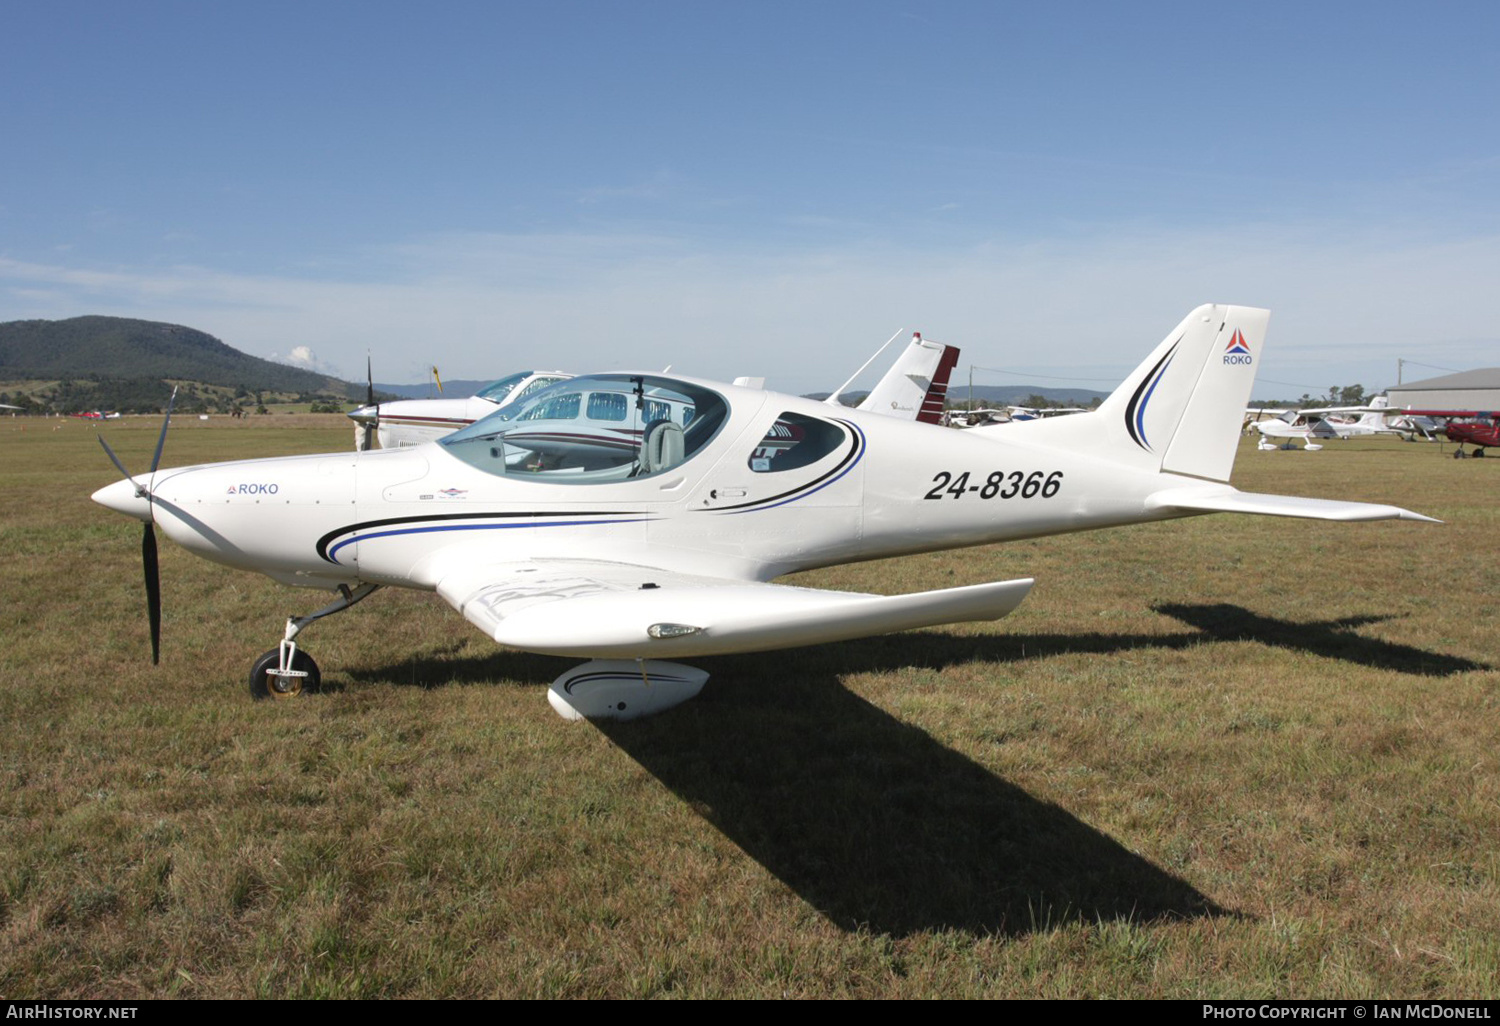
(539, 383)
(499, 391)
(557, 407)
(607, 406)
(607, 427)
(795, 441)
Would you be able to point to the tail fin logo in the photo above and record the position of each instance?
(1238, 350)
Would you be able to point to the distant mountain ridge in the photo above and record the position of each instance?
(99, 348)
(458, 388)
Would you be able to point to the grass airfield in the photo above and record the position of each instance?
(1218, 757)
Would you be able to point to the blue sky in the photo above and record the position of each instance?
(768, 189)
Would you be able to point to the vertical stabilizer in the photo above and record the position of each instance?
(1374, 418)
(916, 386)
(1181, 410)
(1204, 442)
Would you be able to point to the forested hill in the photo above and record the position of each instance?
(119, 347)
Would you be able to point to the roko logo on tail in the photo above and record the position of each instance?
(1238, 351)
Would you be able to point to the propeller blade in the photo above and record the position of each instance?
(153, 589)
(162, 440)
(118, 465)
(370, 427)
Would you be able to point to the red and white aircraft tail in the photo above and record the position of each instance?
(917, 384)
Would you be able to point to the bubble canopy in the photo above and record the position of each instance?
(596, 428)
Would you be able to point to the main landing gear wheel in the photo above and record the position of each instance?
(266, 680)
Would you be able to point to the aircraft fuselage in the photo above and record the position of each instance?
(887, 488)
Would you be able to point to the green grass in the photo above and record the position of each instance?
(1224, 756)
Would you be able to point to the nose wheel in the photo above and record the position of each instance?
(286, 671)
(269, 680)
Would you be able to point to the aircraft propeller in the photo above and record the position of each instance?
(369, 428)
(149, 566)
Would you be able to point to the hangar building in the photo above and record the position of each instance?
(1468, 390)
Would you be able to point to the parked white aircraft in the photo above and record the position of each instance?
(989, 417)
(667, 550)
(404, 422)
(1327, 422)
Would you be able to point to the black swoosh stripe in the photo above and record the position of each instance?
(366, 525)
(1135, 399)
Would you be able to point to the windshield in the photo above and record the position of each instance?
(496, 391)
(505, 390)
(604, 427)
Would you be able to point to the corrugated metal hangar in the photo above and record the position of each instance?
(1468, 390)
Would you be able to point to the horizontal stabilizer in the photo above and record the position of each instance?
(611, 610)
(1195, 500)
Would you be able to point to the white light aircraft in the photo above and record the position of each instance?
(404, 422)
(989, 416)
(641, 556)
(1327, 423)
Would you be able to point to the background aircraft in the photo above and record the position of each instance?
(635, 556)
(914, 388)
(989, 416)
(403, 422)
(1479, 428)
(1324, 423)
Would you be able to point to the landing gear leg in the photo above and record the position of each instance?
(286, 671)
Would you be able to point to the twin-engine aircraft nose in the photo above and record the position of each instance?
(122, 497)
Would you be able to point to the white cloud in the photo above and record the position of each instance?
(305, 358)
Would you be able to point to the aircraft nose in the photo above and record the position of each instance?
(365, 415)
(122, 498)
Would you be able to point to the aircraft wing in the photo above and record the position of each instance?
(1324, 410)
(619, 610)
(1220, 500)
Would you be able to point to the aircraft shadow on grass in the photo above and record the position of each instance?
(881, 827)
(1332, 639)
(868, 819)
